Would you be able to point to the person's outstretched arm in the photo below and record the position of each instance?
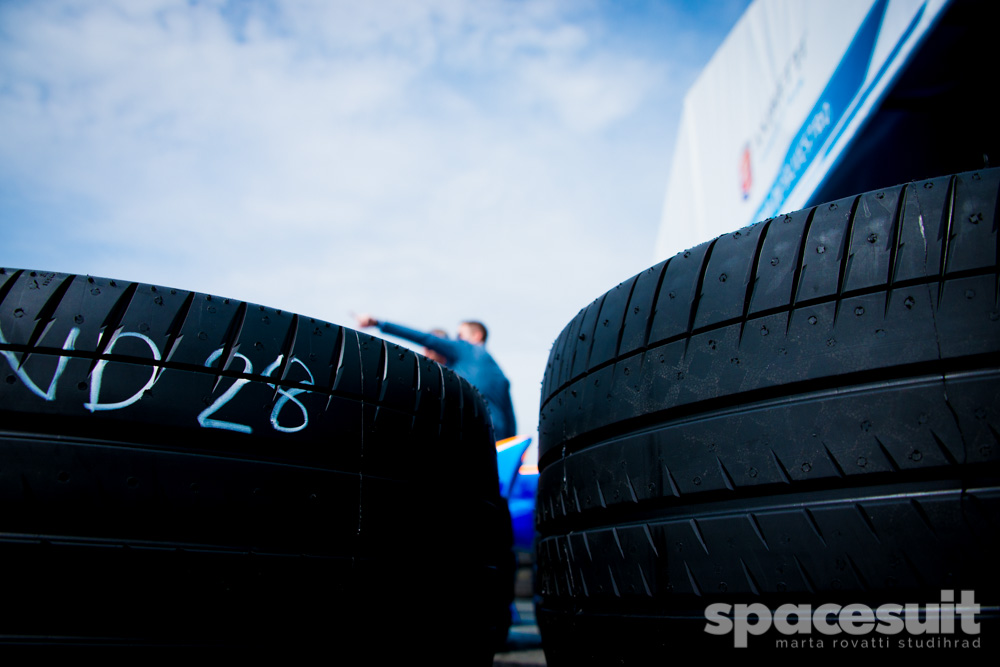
(449, 348)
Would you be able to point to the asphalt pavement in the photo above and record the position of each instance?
(524, 643)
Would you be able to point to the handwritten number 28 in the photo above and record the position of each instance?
(284, 397)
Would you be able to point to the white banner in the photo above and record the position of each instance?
(777, 106)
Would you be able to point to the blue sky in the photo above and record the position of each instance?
(425, 161)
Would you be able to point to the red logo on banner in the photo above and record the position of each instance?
(746, 179)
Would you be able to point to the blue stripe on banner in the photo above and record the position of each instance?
(831, 106)
(878, 77)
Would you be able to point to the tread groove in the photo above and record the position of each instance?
(833, 460)
(800, 267)
(996, 261)
(919, 509)
(895, 238)
(699, 287)
(867, 521)
(112, 323)
(621, 328)
(726, 477)
(287, 348)
(913, 568)
(694, 582)
(631, 489)
(569, 363)
(614, 584)
(958, 425)
(618, 542)
(645, 584)
(416, 390)
(174, 335)
(752, 282)
(673, 484)
(786, 478)
(383, 365)
(589, 336)
(755, 524)
(7, 286)
(944, 235)
(337, 359)
(806, 579)
(230, 340)
(888, 456)
(649, 537)
(44, 318)
(944, 449)
(442, 409)
(814, 525)
(696, 529)
(656, 299)
(857, 573)
(754, 588)
(846, 258)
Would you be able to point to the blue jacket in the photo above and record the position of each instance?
(476, 365)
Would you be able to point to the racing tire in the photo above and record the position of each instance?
(179, 468)
(804, 411)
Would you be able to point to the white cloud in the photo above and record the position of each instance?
(428, 161)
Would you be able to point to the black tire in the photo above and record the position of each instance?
(179, 467)
(803, 410)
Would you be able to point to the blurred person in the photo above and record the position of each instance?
(468, 357)
(431, 354)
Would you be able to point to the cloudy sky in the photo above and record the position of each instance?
(426, 161)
